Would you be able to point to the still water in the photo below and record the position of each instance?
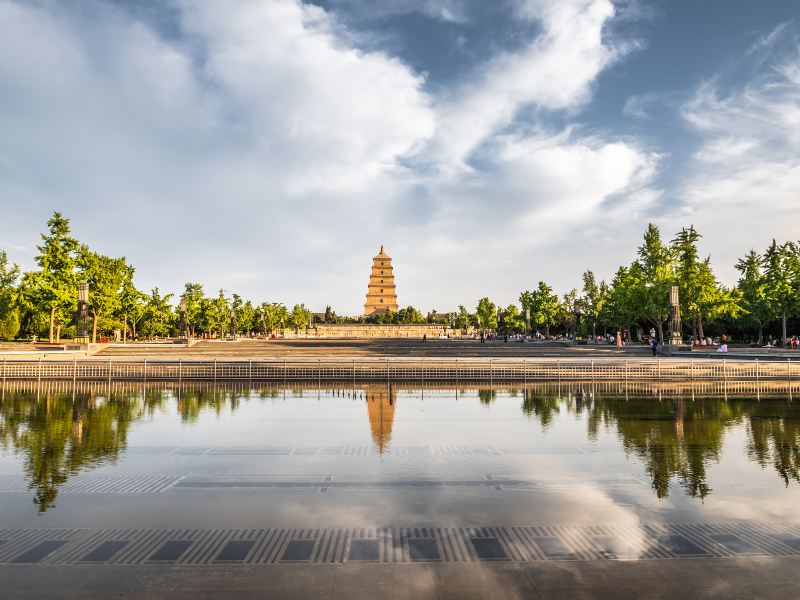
(131, 455)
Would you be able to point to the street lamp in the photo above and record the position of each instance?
(183, 307)
(82, 318)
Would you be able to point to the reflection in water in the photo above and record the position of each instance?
(58, 436)
(680, 437)
(380, 401)
(59, 431)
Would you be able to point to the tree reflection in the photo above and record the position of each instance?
(58, 436)
(680, 437)
(774, 438)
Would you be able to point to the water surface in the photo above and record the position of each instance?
(132, 455)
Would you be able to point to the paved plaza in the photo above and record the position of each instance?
(730, 579)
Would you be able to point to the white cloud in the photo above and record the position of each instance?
(446, 10)
(259, 151)
(554, 72)
(746, 174)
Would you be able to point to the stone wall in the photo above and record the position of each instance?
(367, 331)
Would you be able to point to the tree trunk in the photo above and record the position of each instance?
(124, 328)
(52, 322)
(783, 326)
(133, 329)
(58, 333)
(94, 327)
(660, 330)
(694, 327)
(760, 333)
(547, 329)
(594, 330)
(700, 324)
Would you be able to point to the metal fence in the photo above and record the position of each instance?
(399, 369)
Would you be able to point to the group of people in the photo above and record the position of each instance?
(791, 344)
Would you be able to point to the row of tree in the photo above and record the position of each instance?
(44, 301)
(767, 293)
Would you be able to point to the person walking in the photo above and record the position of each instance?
(619, 340)
(654, 344)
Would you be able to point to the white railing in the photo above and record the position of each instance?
(399, 369)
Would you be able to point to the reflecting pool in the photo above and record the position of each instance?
(386, 455)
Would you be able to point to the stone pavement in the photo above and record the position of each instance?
(764, 578)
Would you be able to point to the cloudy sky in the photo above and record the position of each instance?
(269, 147)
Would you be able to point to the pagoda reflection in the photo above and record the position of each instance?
(381, 401)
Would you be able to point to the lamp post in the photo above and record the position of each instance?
(675, 330)
(82, 317)
(183, 306)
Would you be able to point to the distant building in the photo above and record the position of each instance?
(381, 291)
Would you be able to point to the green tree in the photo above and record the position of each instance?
(132, 304)
(463, 319)
(300, 317)
(193, 295)
(246, 321)
(158, 315)
(621, 307)
(654, 269)
(751, 286)
(593, 301)
(53, 288)
(566, 312)
(545, 307)
(701, 294)
(273, 316)
(9, 312)
(219, 314)
(781, 281)
(486, 314)
(105, 277)
(409, 316)
(511, 320)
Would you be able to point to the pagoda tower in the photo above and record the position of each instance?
(381, 291)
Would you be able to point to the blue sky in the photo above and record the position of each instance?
(268, 147)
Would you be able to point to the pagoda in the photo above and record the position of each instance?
(381, 291)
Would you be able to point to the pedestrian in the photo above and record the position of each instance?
(619, 340)
(654, 344)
